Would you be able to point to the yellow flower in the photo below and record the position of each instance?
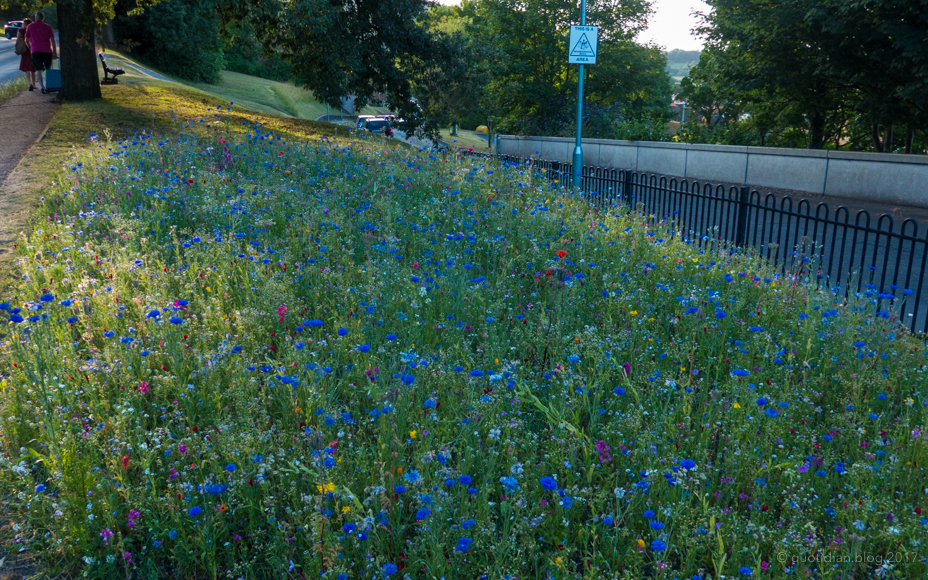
(326, 487)
(346, 509)
(641, 544)
(633, 312)
(412, 434)
(737, 406)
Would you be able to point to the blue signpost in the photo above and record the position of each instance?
(582, 49)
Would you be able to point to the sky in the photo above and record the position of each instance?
(670, 24)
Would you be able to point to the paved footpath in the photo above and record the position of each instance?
(24, 119)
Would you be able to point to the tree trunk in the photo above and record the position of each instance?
(79, 77)
(817, 132)
(888, 139)
(909, 139)
(875, 137)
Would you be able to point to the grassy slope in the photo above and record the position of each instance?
(134, 105)
(701, 391)
(253, 93)
(464, 139)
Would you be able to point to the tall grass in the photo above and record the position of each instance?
(250, 357)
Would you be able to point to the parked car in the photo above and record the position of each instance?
(362, 118)
(377, 125)
(11, 28)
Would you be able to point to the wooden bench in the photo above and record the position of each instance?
(107, 71)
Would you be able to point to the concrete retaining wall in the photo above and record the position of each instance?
(875, 177)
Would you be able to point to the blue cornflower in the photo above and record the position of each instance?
(548, 483)
(510, 482)
(195, 511)
(658, 545)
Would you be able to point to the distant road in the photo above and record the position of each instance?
(9, 61)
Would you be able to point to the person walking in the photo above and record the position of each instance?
(22, 49)
(41, 40)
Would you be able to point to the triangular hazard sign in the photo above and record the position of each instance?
(582, 48)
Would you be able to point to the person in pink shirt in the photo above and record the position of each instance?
(40, 38)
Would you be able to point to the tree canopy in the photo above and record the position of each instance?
(823, 72)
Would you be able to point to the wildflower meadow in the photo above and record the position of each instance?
(230, 353)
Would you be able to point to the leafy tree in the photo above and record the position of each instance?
(341, 47)
(820, 68)
(242, 53)
(881, 47)
(530, 81)
(456, 89)
(180, 37)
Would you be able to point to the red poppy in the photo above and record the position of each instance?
(561, 254)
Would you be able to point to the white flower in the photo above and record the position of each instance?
(619, 492)
(494, 434)
(516, 469)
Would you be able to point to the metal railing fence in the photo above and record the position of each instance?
(879, 258)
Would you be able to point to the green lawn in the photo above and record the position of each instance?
(249, 92)
(465, 139)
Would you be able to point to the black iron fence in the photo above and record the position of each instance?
(876, 258)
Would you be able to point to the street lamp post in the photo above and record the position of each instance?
(578, 149)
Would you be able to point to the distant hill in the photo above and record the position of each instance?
(679, 63)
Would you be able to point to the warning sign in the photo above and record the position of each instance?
(584, 41)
